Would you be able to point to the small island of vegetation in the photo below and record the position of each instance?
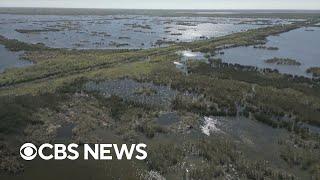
(265, 47)
(315, 71)
(283, 61)
(29, 31)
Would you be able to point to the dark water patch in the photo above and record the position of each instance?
(65, 131)
(260, 140)
(130, 90)
(169, 118)
(246, 130)
(10, 59)
(311, 128)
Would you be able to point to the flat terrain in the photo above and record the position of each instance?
(211, 120)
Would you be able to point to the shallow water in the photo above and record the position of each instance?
(65, 131)
(300, 44)
(312, 129)
(10, 59)
(169, 118)
(186, 56)
(122, 31)
(259, 139)
(130, 90)
(249, 131)
(244, 130)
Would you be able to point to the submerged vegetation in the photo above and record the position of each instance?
(283, 61)
(121, 95)
(315, 71)
(28, 31)
(265, 47)
(15, 45)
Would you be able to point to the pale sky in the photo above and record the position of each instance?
(167, 4)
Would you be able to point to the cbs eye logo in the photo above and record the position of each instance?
(28, 151)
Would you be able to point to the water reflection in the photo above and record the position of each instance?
(186, 56)
(300, 44)
(121, 31)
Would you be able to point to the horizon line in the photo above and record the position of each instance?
(44, 7)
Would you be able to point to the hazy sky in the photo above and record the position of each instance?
(167, 4)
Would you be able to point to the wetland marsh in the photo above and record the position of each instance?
(11, 59)
(300, 44)
(201, 117)
(122, 31)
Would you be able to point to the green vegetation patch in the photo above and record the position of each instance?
(30, 31)
(283, 61)
(315, 71)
